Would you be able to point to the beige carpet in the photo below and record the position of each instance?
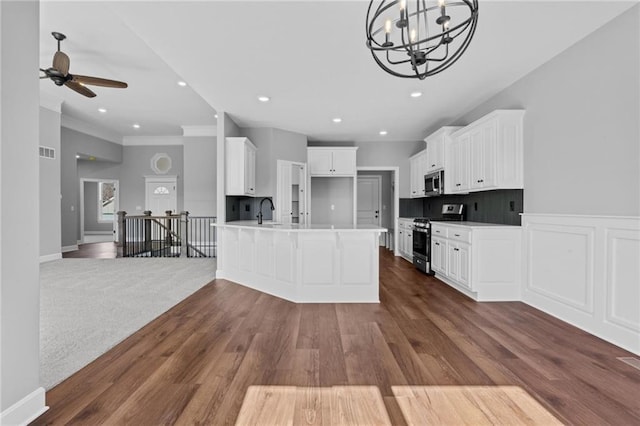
(87, 306)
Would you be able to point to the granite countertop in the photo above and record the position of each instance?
(288, 227)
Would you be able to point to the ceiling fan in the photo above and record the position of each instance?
(59, 73)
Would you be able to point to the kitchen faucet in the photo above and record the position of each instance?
(260, 214)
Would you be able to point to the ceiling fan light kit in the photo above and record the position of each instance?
(420, 38)
(59, 74)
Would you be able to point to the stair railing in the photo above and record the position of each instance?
(171, 235)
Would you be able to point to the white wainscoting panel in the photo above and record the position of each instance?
(623, 266)
(569, 281)
(265, 254)
(585, 270)
(246, 250)
(285, 257)
(318, 260)
(356, 258)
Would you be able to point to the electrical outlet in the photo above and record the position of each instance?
(333, 206)
(247, 208)
(512, 206)
(475, 206)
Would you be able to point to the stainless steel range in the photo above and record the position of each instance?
(422, 235)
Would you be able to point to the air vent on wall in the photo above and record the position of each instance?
(47, 152)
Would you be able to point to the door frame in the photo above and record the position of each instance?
(160, 179)
(116, 182)
(396, 196)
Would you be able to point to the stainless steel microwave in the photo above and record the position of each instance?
(434, 183)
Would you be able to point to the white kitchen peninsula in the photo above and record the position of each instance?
(302, 263)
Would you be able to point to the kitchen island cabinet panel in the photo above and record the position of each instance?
(302, 263)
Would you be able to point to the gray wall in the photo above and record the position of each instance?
(50, 219)
(273, 145)
(136, 164)
(200, 175)
(581, 129)
(328, 191)
(91, 223)
(19, 201)
(71, 143)
(390, 154)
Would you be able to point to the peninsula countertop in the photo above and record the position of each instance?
(289, 227)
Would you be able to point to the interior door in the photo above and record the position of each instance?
(161, 195)
(369, 203)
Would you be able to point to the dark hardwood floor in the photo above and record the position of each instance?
(93, 251)
(194, 364)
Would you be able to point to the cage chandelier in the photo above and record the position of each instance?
(417, 39)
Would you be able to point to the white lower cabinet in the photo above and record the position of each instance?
(480, 260)
(405, 238)
(439, 255)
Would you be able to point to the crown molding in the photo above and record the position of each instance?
(152, 140)
(89, 129)
(50, 102)
(200, 130)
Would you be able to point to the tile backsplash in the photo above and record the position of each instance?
(246, 208)
(501, 206)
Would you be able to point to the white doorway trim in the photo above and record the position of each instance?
(116, 183)
(396, 197)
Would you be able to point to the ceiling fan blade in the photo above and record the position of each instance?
(61, 62)
(97, 81)
(80, 89)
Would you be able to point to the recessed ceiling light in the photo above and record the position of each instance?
(337, 120)
(77, 156)
(136, 126)
(216, 115)
(182, 83)
(383, 132)
(102, 110)
(416, 94)
(263, 98)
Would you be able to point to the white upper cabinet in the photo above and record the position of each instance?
(331, 161)
(418, 166)
(240, 166)
(486, 154)
(456, 178)
(435, 148)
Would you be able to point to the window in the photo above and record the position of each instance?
(106, 201)
(161, 190)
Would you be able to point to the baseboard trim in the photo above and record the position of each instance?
(50, 257)
(69, 248)
(26, 410)
(98, 232)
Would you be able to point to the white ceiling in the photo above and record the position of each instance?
(308, 56)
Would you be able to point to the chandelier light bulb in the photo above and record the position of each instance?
(387, 26)
(413, 35)
(403, 4)
(440, 3)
